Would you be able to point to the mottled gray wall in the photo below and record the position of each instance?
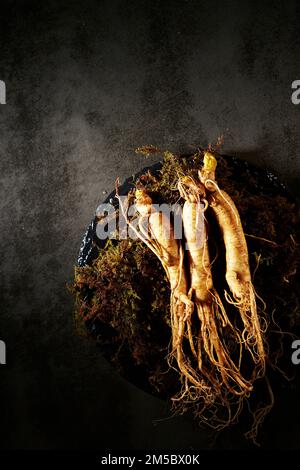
(87, 82)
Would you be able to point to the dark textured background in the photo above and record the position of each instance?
(87, 82)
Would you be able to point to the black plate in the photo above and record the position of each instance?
(242, 173)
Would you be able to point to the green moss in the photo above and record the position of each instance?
(147, 150)
(119, 282)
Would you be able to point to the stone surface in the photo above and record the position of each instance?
(87, 82)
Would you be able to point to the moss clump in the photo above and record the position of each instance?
(123, 296)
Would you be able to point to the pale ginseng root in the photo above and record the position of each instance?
(238, 276)
(159, 237)
(224, 374)
(170, 252)
(227, 404)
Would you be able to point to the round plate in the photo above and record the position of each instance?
(243, 174)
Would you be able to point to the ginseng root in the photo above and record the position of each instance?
(223, 372)
(238, 276)
(158, 235)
